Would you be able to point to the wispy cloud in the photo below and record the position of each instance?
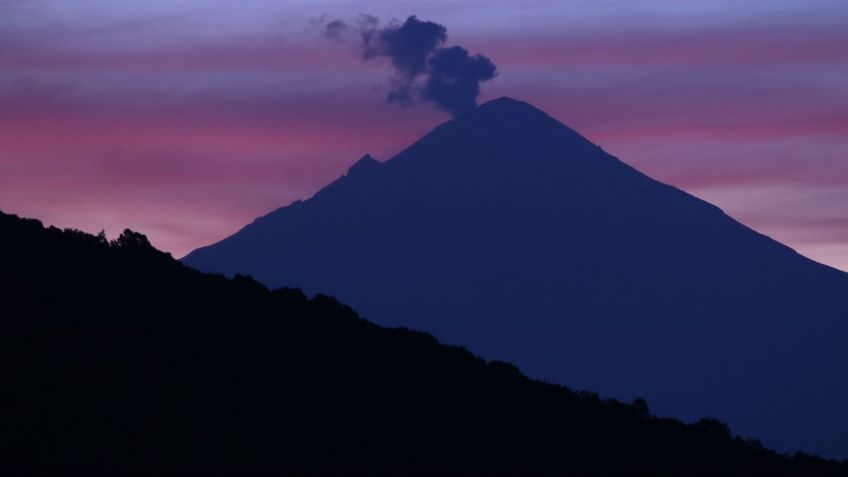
(213, 112)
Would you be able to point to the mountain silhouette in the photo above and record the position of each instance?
(507, 232)
(118, 360)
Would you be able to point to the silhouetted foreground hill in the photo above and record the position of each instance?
(117, 360)
(509, 233)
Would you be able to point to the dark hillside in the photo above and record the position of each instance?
(118, 360)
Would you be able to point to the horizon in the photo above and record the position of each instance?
(185, 122)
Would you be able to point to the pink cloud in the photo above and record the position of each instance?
(189, 140)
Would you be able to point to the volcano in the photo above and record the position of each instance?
(509, 233)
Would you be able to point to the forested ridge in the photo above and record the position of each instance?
(118, 360)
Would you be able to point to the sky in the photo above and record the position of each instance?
(187, 119)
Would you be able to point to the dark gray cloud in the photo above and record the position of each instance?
(425, 70)
(408, 46)
(454, 79)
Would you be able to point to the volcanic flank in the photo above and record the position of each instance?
(509, 233)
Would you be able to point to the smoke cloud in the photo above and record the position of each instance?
(454, 79)
(425, 70)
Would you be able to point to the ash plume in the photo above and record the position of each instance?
(425, 70)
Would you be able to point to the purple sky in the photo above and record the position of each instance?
(187, 119)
